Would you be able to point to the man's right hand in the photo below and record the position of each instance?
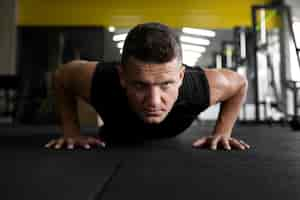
(86, 142)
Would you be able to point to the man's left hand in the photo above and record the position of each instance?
(222, 141)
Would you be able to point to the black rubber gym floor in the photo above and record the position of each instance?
(164, 169)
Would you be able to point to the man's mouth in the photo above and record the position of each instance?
(153, 112)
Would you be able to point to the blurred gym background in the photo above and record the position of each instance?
(257, 38)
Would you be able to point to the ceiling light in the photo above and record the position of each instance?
(189, 62)
(194, 40)
(111, 29)
(119, 37)
(120, 44)
(296, 29)
(191, 54)
(189, 47)
(201, 32)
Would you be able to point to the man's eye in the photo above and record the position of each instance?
(139, 86)
(165, 85)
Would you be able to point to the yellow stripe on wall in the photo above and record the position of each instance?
(177, 13)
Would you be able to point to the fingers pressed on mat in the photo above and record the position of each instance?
(50, 144)
(59, 143)
(100, 143)
(70, 143)
(214, 143)
(84, 144)
(245, 144)
(200, 142)
(235, 143)
(92, 140)
(225, 143)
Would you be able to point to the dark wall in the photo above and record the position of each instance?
(40, 51)
(87, 42)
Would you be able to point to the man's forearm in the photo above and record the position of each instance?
(67, 108)
(229, 111)
(69, 118)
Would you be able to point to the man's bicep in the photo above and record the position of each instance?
(223, 84)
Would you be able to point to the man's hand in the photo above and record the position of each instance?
(227, 142)
(78, 141)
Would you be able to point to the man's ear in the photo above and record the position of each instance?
(121, 75)
(181, 74)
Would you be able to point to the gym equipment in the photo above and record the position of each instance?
(228, 54)
(272, 58)
(8, 87)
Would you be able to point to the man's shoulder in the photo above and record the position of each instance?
(84, 64)
(78, 70)
(89, 66)
(195, 88)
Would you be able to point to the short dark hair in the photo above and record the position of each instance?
(152, 43)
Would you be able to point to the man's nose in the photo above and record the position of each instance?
(153, 97)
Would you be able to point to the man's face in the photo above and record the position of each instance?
(152, 89)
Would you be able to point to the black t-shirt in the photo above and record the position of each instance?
(121, 124)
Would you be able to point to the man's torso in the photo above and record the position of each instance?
(121, 123)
